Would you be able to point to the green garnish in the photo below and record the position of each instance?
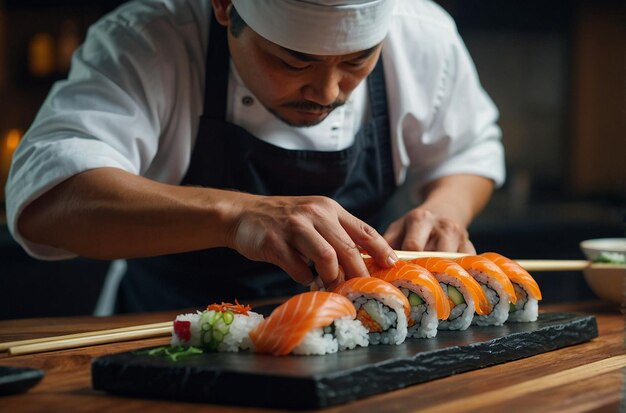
(611, 258)
(228, 317)
(215, 326)
(173, 353)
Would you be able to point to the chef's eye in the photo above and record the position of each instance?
(356, 63)
(292, 67)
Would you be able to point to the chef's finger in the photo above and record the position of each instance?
(369, 239)
(443, 241)
(467, 247)
(449, 236)
(292, 263)
(346, 250)
(417, 235)
(341, 277)
(319, 251)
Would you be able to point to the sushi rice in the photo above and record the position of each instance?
(238, 337)
(342, 334)
(498, 299)
(388, 313)
(423, 315)
(461, 315)
(526, 309)
(210, 331)
(525, 288)
(192, 321)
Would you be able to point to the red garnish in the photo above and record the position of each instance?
(182, 329)
(233, 308)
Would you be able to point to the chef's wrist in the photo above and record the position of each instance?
(227, 213)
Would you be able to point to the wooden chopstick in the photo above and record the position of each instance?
(529, 265)
(7, 345)
(409, 255)
(89, 339)
(554, 265)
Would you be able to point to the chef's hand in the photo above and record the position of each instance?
(424, 230)
(291, 232)
(439, 223)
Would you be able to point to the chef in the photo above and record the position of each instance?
(242, 148)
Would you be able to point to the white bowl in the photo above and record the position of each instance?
(593, 247)
(607, 281)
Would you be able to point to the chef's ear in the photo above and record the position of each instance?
(221, 9)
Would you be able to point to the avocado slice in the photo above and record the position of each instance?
(415, 299)
(455, 295)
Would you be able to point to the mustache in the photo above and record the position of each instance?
(313, 107)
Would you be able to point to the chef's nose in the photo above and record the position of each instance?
(324, 87)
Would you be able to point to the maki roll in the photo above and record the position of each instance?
(315, 322)
(428, 302)
(221, 327)
(464, 293)
(496, 286)
(526, 288)
(381, 307)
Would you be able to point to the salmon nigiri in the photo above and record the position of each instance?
(381, 307)
(464, 293)
(427, 299)
(316, 322)
(526, 288)
(495, 284)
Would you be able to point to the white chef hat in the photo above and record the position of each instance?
(320, 27)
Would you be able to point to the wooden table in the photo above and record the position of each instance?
(585, 377)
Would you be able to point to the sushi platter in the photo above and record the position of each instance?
(414, 321)
(307, 382)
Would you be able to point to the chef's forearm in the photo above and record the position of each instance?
(108, 213)
(458, 197)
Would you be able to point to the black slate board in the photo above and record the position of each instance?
(15, 380)
(307, 382)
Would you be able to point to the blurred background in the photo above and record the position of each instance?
(556, 70)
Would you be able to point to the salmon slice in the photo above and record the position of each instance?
(286, 327)
(375, 288)
(477, 263)
(438, 266)
(516, 273)
(417, 275)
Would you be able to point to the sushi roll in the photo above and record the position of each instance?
(381, 307)
(526, 288)
(464, 293)
(428, 302)
(495, 284)
(315, 322)
(221, 327)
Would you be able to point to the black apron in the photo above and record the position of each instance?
(226, 156)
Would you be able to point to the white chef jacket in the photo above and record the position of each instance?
(135, 93)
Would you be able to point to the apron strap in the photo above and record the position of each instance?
(217, 69)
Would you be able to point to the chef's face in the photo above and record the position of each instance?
(300, 89)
